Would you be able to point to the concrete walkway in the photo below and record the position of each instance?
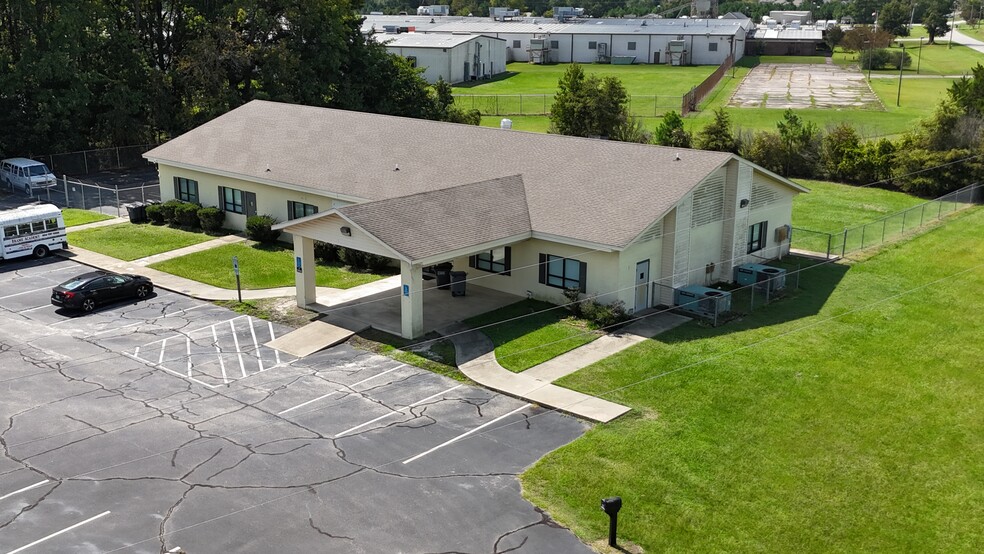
(476, 359)
(970, 42)
(475, 351)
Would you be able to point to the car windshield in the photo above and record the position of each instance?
(36, 170)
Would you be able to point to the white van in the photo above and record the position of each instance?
(26, 175)
(31, 231)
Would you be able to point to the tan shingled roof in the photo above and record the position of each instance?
(602, 192)
(454, 218)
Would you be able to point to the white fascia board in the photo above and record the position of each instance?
(437, 258)
(285, 226)
(254, 179)
(598, 247)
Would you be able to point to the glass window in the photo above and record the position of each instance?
(297, 210)
(756, 236)
(493, 261)
(37, 226)
(563, 272)
(186, 189)
(592, 45)
(712, 47)
(10, 231)
(412, 60)
(232, 200)
(632, 46)
(555, 44)
(517, 44)
(24, 229)
(51, 224)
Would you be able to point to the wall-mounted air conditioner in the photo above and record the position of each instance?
(702, 301)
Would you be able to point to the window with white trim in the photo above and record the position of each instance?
(497, 260)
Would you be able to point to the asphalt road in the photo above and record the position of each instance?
(166, 423)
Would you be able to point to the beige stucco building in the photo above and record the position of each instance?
(524, 213)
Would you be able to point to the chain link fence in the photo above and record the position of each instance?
(69, 193)
(852, 239)
(640, 105)
(732, 301)
(86, 162)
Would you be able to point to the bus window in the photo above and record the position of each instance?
(10, 231)
(24, 229)
(51, 224)
(37, 226)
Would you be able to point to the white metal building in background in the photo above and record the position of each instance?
(707, 41)
(453, 57)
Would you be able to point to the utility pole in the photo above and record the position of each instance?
(898, 97)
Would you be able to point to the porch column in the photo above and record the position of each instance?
(304, 271)
(411, 300)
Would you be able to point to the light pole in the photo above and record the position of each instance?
(919, 61)
(867, 44)
(898, 97)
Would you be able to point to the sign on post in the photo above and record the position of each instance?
(235, 269)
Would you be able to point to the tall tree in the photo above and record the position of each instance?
(935, 23)
(587, 106)
(894, 17)
(718, 134)
(671, 132)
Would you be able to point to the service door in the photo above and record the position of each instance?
(642, 285)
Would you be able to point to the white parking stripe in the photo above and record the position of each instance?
(238, 351)
(218, 353)
(394, 412)
(25, 292)
(36, 308)
(188, 351)
(163, 344)
(272, 337)
(301, 405)
(256, 344)
(159, 366)
(65, 530)
(25, 489)
(459, 437)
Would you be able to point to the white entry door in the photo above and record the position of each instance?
(642, 285)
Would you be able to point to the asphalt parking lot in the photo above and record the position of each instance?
(145, 426)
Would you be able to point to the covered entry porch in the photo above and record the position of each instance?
(419, 231)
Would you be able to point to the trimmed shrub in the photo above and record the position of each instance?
(211, 219)
(604, 315)
(260, 228)
(155, 212)
(325, 253)
(168, 208)
(186, 215)
(572, 296)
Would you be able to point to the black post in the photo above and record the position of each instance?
(239, 290)
(611, 506)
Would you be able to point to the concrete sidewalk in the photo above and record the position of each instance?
(476, 359)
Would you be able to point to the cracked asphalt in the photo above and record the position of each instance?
(146, 426)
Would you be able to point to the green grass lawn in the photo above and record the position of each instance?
(526, 342)
(971, 32)
(127, 241)
(833, 206)
(642, 79)
(847, 419)
(260, 267)
(936, 59)
(75, 216)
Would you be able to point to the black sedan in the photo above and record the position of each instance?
(88, 290)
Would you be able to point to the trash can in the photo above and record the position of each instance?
(443, 272)
(458, 283)
(137, 212)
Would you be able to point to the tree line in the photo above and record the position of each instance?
(77, 74)
(943, 153)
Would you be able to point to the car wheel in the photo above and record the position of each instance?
(40, 251)
(27, 189)
(88, 305)
(143, 291)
